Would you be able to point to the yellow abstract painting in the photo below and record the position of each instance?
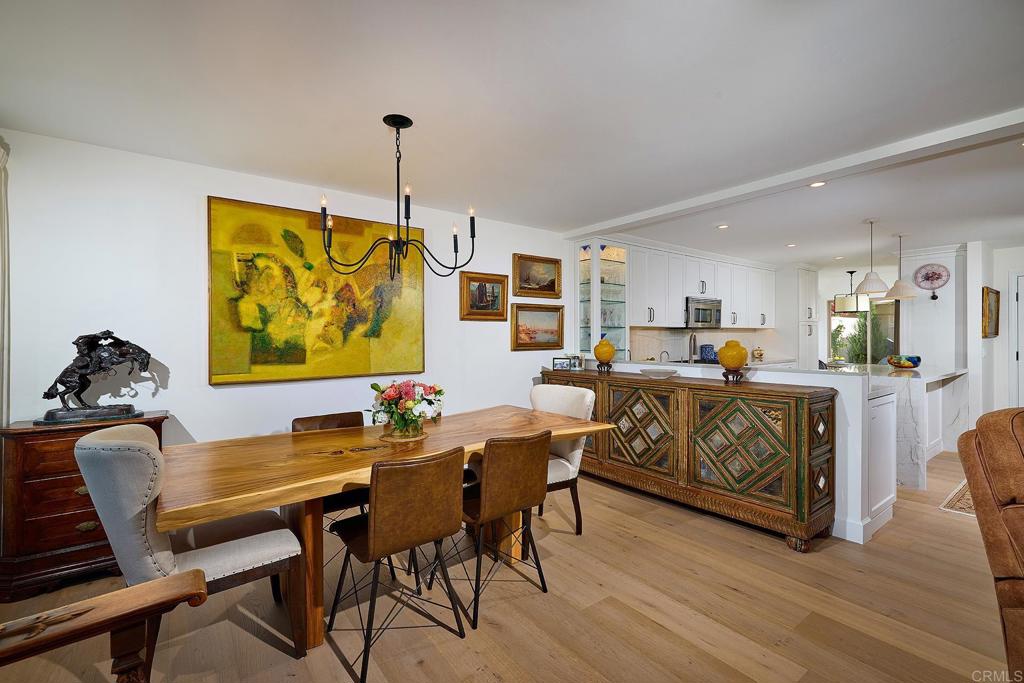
(279, 313)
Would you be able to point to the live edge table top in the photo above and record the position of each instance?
(213, 480)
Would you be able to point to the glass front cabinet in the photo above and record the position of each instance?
(601, 296)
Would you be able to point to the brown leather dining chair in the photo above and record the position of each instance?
(993, 460)
(412, 502)
(344, 500)
(513, 478)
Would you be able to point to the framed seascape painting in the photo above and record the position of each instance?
(279, 313)
(536, 276)
(536, 326)
(483, 296)
(989, 312)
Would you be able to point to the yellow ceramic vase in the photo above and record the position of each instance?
(732, 356)
(604, 352)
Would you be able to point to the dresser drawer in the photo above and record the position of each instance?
(50, 455)
(54, 496)
(61, 531)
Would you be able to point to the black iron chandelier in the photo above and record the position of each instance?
(398, 246)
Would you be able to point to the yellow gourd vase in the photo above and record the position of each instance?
(604, 352)
(732, 357)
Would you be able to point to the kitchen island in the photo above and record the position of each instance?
(762, 453)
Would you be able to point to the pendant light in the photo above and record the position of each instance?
(901, 290)
(850, 303)
(872, 283)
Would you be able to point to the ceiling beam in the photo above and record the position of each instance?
(944, 141)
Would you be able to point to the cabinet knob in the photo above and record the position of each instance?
(87, 526)
(82, 491)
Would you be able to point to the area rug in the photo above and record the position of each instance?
(960, 500)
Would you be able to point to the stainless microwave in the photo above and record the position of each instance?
(701, 312)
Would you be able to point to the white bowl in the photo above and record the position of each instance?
(655, 373)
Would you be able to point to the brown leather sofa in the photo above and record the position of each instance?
(993, 460)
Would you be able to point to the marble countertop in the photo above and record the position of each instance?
(675, 363)
(925, 372)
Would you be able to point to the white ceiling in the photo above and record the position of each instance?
(975, 194)
(553, 114)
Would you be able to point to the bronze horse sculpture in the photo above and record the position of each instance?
(97, 353)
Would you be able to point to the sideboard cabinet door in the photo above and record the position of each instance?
(646, 423)
(744, 447)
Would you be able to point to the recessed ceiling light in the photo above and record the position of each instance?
(838, 258)
(790, 245)
(723, 226)
(817, 183)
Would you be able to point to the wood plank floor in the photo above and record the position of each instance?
(652, 591)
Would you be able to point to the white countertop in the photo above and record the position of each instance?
(676, 364)
(925, 372)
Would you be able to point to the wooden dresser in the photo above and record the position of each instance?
(760, 453)
(50, 530)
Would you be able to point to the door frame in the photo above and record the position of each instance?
(1013, 343)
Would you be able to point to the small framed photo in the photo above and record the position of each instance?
(483, 296)
(561, 363)
(536, 326)
(576, 362)
(536, 276)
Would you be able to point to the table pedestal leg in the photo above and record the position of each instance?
(512, 548)
(307, 521)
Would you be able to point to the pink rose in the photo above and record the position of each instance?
(391, 393)
(427, 390)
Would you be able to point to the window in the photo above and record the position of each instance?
(848, 338)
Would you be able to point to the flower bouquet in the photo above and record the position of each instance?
(404, 405)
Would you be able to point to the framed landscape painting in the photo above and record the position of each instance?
(279, 313)
(536, 326)
(989, 312)
(483, 296)
(537, 276)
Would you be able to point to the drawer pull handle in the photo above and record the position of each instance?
(82, 491)
(87, 526)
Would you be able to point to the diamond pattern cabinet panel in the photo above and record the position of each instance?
(759, 453)
(740, 448)
(592, 445)
(646, 427)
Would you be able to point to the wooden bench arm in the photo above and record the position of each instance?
(33, 635)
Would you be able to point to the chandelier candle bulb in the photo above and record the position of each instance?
(408, 202)
(472, 223)
(455, 237)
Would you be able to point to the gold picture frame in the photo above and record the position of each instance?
(536, 276)
(357, 325)
(989, 312)
(483, 296)
(537, 326)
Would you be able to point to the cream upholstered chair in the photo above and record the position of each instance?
(564, 462)
(122, 467)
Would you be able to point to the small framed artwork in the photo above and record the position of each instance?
(483, 296)
(576, 362)
(561, 363)
(537, 276)
(536, 326)
(989, 312)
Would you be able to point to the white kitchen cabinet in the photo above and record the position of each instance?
(675, 304)
(881, 462)
(648, 287)
(731, 282)
(760, 298)
(808, 346)
(699, 277)
(807, 295)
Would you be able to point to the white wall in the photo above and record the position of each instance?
(108, 239)
(1006, 265)
(980, 352)
(936, 329)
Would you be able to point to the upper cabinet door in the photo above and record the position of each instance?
(699, 277)
(768, 297)
(657, 287)
(675, 304)
(732, 290)
(760, 298)
(808, 295)
(639, 307)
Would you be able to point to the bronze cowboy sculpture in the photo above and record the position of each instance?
(97, 354)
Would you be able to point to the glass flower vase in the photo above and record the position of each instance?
(412, 431)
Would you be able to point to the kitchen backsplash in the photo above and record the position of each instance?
(649, 342)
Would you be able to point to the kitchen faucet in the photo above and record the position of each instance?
(693, 346)
(664, 353)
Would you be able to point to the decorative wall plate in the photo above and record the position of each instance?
(931, 276)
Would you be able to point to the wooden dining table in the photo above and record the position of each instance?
(205, 482)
